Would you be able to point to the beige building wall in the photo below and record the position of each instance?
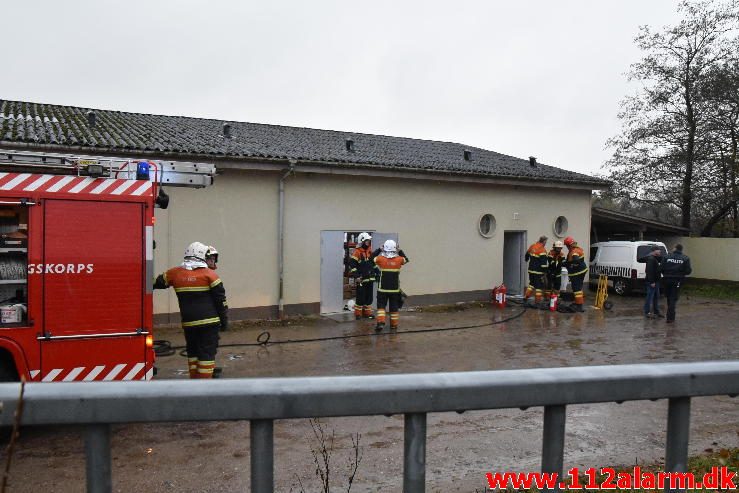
(723, 264)
(238, 215)
(437, 224)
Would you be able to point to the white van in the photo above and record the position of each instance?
(619, 260)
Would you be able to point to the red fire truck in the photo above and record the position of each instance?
(76, 264)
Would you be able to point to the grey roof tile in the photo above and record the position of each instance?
(35, 123)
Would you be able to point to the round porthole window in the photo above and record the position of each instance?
(486, 226)
(560, 226)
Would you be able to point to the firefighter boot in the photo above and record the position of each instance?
(579, 301)
(394, 319)
(358, 311)
(205, 369)
(367, 312)
(192, 366)
(380, 319)
(529, 292)
(538, 296)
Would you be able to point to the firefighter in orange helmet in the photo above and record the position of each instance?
(555, 259)
(576, 270)
(389, 260)
(536, 256)
(203, 306)
(363, 267)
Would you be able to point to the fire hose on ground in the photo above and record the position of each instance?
(164, 348)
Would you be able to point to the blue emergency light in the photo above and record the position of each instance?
(142, 171)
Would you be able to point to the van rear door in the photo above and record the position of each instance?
(614, 261)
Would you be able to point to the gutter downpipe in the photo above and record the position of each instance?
(281, 240)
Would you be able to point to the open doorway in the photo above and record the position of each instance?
(338, 287)
(348, 283)
(514, 265)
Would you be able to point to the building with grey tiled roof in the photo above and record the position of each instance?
(45, 126)
(438, 198)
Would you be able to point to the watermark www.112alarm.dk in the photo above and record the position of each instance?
(607, 478)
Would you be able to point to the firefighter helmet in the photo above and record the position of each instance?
(558, 244)
(211, 253)
(390, 246)
(196, 250)
(569, 241)
(363, 237)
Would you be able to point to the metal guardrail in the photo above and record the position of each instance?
(262, 400)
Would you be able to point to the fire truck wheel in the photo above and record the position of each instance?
(8, 373)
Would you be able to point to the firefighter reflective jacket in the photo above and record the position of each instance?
(362, 264)
(576, 261)
(555, 260)
(200, 294)
(536, 256)
(390, 272)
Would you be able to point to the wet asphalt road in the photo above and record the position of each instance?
(199, 457)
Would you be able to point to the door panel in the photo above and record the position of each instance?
(332, 271)
(93, 267)
(514, 265)
(379, 238)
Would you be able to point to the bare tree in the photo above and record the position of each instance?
(722, 92)
(322, 451)
(665, 148)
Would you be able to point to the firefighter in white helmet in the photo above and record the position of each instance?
(363, 267)
(389, 260)
(211, 257)
(555, 260)
(203, 306)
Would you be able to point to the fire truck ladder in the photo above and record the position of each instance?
(165, 173)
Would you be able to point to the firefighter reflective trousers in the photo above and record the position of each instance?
(365, 293)
(577, 282)
(555, 285)
(394, 300)
(536, 286)
(202, 345)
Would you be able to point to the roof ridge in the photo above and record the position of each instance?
(116, 130)
(224, 120)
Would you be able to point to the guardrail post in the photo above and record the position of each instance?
(261, 436)
(414, 447)
(553, 446)
(97, 458)
(678, 431)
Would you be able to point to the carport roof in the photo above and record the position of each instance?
(39, 126)
(607, 221)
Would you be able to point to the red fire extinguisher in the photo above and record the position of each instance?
(500, 299)
(553, 302)
(494, 296)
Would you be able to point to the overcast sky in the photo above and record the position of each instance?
(530, 78)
